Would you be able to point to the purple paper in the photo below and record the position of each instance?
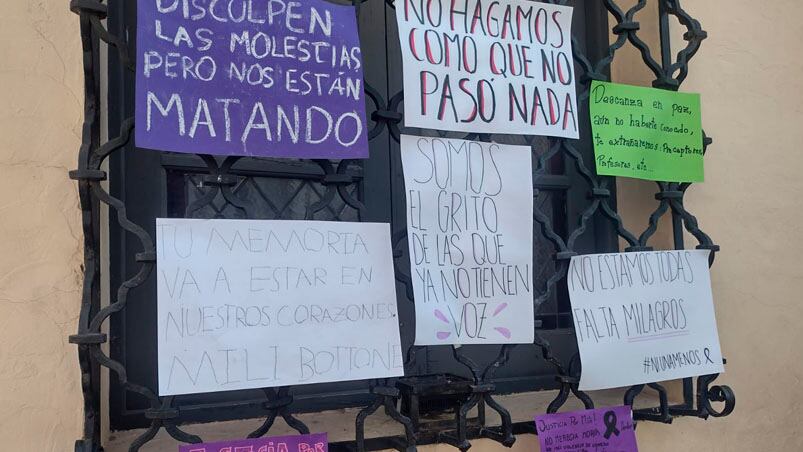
(269, 78)
(316, 442)
(600, 430)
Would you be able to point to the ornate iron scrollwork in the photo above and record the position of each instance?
(337, 179)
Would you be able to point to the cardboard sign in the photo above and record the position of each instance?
(647, 133)
(470, 234)
(643, 317)
(316, 442)
(488, 66)
(271, 78)
(601, 430)
(258, 303)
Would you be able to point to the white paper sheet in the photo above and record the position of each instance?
(470, 236)
(488, 66)
(262, 303)
(643, 317)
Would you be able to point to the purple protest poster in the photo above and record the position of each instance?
(601, 430)
(266, 78)
(316, 442)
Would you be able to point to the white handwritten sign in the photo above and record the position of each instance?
(470, 234)
(643, 317)
(256, 303)
(488, 66)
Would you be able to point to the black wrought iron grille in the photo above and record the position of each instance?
(224, 188)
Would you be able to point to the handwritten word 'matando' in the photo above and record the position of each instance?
(312, 125)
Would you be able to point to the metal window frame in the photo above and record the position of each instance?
(699, 394)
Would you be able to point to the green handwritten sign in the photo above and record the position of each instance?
(646, 133)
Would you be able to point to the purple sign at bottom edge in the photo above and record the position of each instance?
(607, 429)
(316, 442)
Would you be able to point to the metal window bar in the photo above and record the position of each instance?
(700, 394)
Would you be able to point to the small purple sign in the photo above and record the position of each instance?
(265, 78)
(600, 430)
(316, 442)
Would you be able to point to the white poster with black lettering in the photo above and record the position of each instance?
(643, 317)
(502, 66)
(470, 236)
(263, 303)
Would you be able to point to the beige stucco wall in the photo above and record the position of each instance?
(751, 78)
(40, 233)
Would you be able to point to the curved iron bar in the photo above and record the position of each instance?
(329, 193)
(655, 218)
(347, 197)
(706, 395)
(482, 390)
(694, 36)
(115, 144)
(114, 41)
(643, 47)
(277, 405)
(210, 190)
(658, 414)
(227, 188)
(384, 396)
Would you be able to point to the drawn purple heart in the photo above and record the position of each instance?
(503, 331)
(443, 335)
(500, 308)
(441, 317)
